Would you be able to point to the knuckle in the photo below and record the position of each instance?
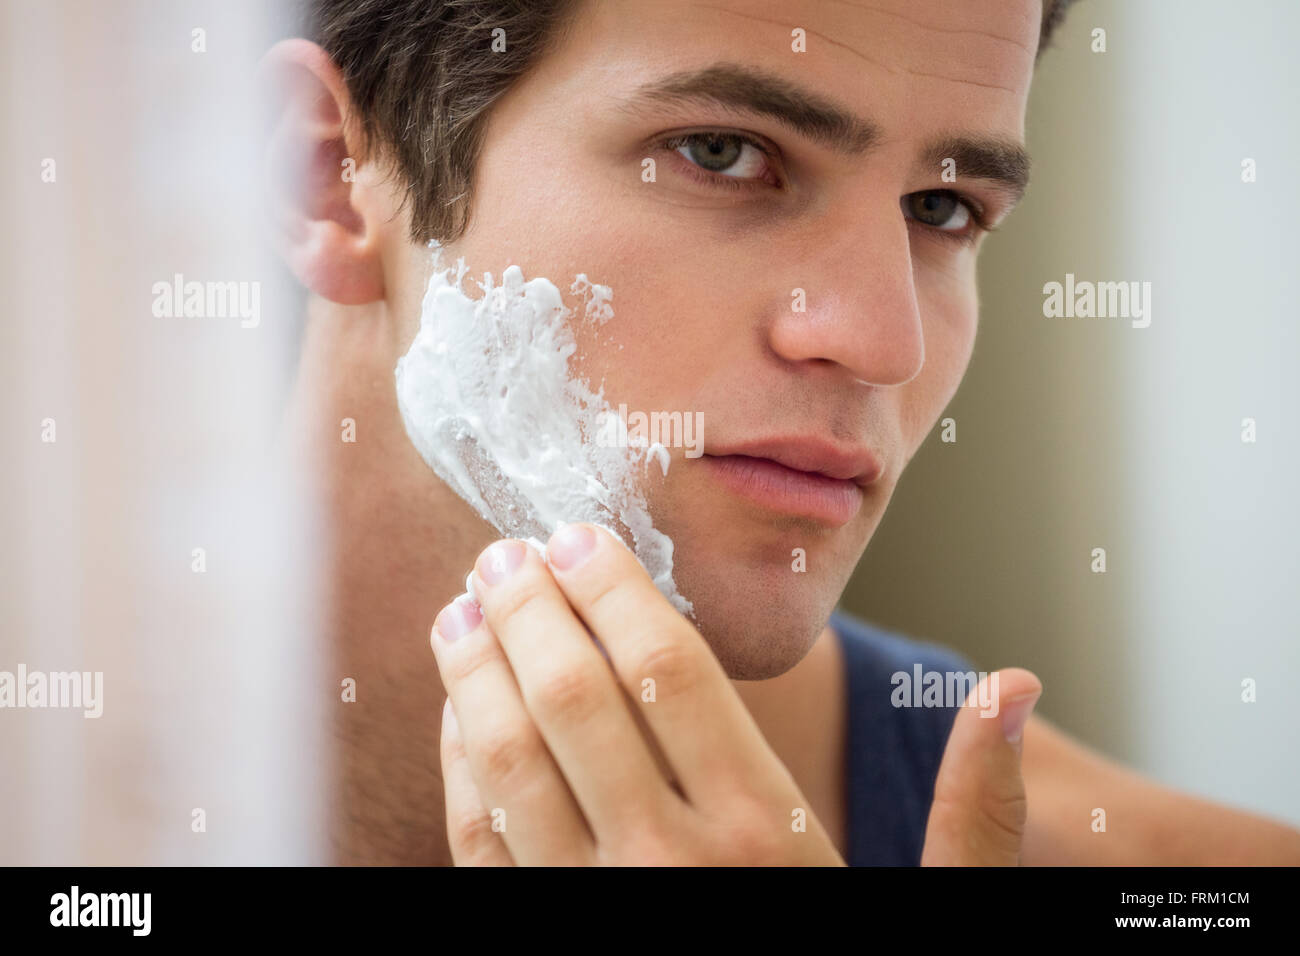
(452, 748)
(645, 846)
(569, 695)
(471, 831)
(747, 830)
(982, 826)
(465, 667)
(603, 592)
(673, 666)
(505, 752)
(1006, 815)
(661, 833)
(516, 603)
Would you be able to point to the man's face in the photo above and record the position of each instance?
(707, 259)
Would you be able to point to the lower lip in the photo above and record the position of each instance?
(831, 501)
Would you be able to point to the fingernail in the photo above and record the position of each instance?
(1015, 714)
(499, 561)
(570, 545)
(458, 618)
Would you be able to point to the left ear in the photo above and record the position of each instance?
(327, 221)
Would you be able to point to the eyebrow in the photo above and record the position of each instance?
(999, 161)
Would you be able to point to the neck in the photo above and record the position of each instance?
(399, 546)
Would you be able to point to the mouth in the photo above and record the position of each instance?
(799, 477)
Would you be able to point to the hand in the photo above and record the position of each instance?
(553, 756)
(979, 809)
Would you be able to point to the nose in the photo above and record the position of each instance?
(859, 301)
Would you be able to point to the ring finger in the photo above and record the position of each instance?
(513, 771)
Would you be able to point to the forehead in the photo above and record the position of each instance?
(922, 65)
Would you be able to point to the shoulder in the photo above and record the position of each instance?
(894, 751)
(877, 661)
(875, 649)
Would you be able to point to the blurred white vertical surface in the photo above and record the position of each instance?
(167, 439)
(1215, 522)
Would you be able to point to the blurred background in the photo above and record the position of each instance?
(166, 535)
(1083, 433)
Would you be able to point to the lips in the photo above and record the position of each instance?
(801, 477)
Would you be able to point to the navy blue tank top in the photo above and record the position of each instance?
(893, 752)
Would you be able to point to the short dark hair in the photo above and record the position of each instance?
(422, 101)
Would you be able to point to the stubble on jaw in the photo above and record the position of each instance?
(396, 547)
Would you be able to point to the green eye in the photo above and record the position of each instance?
(714, 153)
(939, 209)
(720, 154)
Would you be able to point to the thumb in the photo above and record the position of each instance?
(979, 809)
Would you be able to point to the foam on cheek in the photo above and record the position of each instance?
(488, 400)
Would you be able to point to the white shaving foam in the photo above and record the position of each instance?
(488, 400)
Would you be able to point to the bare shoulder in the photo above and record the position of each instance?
(1146, 823)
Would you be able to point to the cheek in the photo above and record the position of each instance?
(952, 332)
(674, 327)
(950, 316)
(677, 295)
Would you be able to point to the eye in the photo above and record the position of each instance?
(727, 159)
(938, 209)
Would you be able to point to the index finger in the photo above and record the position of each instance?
(698, 720)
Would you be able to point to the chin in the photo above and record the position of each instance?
(757, 637)
(759, 622)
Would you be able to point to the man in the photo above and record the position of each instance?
(796, 152)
